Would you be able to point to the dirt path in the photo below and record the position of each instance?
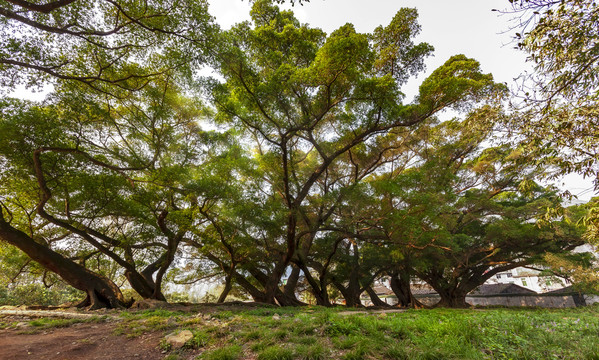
(78, 342)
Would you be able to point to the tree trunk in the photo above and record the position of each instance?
(101, 291)
(285, 300)
(353, 287)
(400, 284)
(141, 286)
(320, 293)
(255, 293)
(351, 296)
(149, 286)
(272, 284)
(226, 290)
(376, 301)
(452, 298)
(279, 297)
(290, 286)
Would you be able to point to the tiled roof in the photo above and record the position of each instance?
(382, 290)
(497, 289)
(422, 289)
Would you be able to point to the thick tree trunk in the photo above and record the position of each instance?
(272, 284)
(260, 296)
(226, 290)
(279, 297)
(255, 293)
(376, 301)
(148, 286)
(289, 289)
(169, 255)
(142, 286)
(285, 300)
(452, 298)
(318, 291)
(350, 294)
(353, 287)
(400, 284)
(101, 291)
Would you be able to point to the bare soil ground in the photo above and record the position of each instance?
(78, 341)
(93, 339)
(87, 340)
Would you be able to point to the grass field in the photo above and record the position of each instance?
(319, 333)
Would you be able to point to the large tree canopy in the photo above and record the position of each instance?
(561, 97)
(109, 45)
(317, 176)
(307, 99)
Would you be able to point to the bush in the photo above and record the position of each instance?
(37, 294)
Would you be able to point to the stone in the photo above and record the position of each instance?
(177, 340)
(276, 317)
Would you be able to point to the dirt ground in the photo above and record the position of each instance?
(91, 340)
(85, 340)
(79, 341)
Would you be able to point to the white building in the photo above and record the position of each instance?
(530, 279)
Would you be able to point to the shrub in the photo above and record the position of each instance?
(37, 294)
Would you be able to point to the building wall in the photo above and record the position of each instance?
(539, 301)
(529, 279)
(544, 301)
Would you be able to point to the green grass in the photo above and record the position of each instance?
(318, 333)
(137, 323)
(224, 353)
(40, 324)
(276, 353)
(7, 324)
(315, 333)
(46, 323)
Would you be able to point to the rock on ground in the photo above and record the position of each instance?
(178, 339)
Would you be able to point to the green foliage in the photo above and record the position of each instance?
(145, 314)
(38, 294)
(142, 322)
(465, 211)
(175, 297)
(101, 48)
(317, 164)
(561, 102)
